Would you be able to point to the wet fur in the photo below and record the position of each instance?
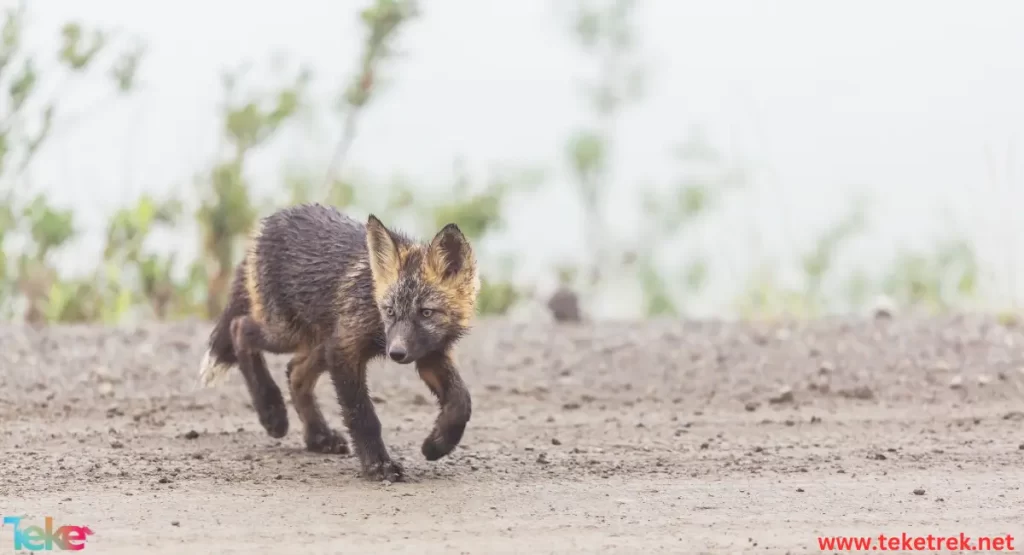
(336, 293)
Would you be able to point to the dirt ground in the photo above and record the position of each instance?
(664, 437)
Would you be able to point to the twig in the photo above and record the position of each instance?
(348, 136)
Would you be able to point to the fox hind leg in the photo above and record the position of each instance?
(250, 339)
(304, 369)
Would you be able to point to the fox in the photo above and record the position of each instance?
(336, 294)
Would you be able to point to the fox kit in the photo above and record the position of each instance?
(337, 294)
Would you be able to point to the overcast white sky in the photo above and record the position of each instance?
(902, 98)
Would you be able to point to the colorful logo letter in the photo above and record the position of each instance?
(34, 538)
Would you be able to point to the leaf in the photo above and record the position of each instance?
(78, 50)
(587, 150)
(496, 297)
(126, 67)
(22, 85)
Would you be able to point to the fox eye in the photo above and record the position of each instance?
(389, 311)
(426, 312)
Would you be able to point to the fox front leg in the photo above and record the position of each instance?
(348, 372)
(438, 371)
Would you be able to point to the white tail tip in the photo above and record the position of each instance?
(211, 372)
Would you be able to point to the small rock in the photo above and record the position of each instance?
(116, 444)
(1008, 319)
(278, 477)
(164, 480)
(984, 380)
(884, 307)
(918, 491)
(542, 459)
(785, 395)
(191, 434)
(175, 523)
(751, 406)
(554, 441)
(564, 305)
(799, 490)
(957, 382)
(826, 368)
(571, 406)
(861, 392)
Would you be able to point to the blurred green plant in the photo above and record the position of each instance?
(605, 30)
(382, 21)
(937, 281)
(766, 297)
(227, 212)
(28, 117)
(478, 212)
(140, 277)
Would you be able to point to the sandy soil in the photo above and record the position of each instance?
(665, 437)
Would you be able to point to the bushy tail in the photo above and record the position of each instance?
(220, 355)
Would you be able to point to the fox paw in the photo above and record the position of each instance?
(384, 470)
(441, 442)
(329, 441)
(274, 419)
(435, 447)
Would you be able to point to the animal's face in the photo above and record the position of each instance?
(426, 292)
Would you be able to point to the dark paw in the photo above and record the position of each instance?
(439, 444)
(274, 419)
(328, 441)
(435, 448)
(384, 470)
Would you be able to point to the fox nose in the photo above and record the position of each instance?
(398, 353)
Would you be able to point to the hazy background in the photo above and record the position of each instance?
(917, 104)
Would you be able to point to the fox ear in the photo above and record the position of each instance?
(450, 254)
(383, 255)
